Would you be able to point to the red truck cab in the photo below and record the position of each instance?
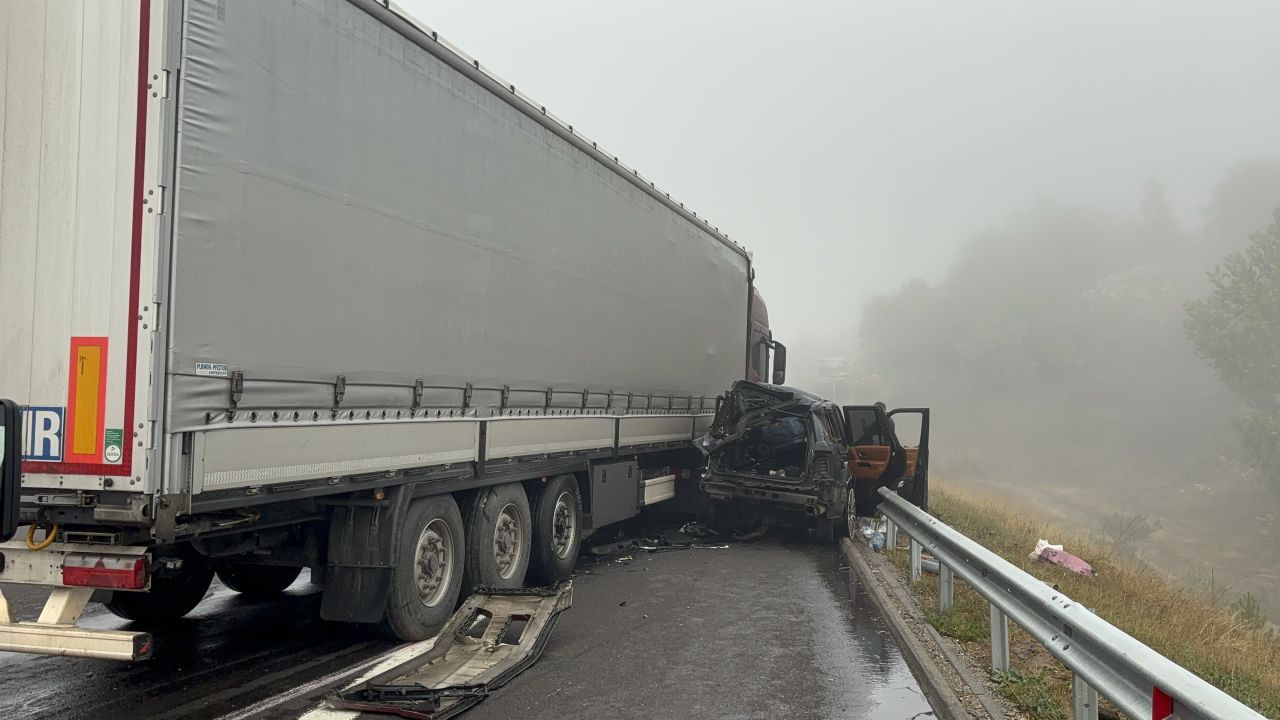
(760, 344)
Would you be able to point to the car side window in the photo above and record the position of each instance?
(867, 428)
(830, 427)
(837, 425)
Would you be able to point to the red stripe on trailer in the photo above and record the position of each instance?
(125, 466)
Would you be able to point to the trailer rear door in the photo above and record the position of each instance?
(78, 219)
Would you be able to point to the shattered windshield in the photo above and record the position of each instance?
(763, 430)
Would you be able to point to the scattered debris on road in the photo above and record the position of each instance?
(493, 637)
(622, 549)
(697, 529)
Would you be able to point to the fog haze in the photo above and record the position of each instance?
(871, 139)
(995, 209)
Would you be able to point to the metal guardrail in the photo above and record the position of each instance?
(1103, 659)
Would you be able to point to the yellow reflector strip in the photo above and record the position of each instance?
(88, 381)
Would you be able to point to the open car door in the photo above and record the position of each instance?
(914, 483)
(878, 459)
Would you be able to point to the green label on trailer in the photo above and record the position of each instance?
(112, 445)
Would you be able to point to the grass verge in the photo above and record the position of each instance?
(1030, 693)
(1217, 642)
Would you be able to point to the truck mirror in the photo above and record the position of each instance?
(779, 363)
(10, 467)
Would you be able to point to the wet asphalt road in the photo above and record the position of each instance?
(767, 629)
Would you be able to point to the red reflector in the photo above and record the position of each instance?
(124, 572)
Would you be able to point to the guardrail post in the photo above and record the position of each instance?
(891, 535)
(946, 595)
(915, 560)
(1084, 700)
(999, 639)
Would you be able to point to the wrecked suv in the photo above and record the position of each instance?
(789, 457)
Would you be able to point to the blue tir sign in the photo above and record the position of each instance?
(42, 434)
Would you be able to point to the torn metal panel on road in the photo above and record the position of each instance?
(494, 636)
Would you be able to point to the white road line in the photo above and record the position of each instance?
(386, 660)
(399, 656)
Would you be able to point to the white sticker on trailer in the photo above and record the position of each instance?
(42, 433)
(206, 369)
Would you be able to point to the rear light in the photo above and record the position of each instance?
(822, 467)
(113, 572)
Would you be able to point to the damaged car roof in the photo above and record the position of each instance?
(748, 400)
(781, 393)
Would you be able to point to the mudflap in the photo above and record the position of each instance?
(361, 555)
(493, 637)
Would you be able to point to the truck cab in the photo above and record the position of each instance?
(761, 345)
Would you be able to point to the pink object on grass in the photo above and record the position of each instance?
(1067, 560)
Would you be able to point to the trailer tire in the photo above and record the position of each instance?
(499, 533)
(427, 577)
(257, 581)
(171, 595)
(557, 531)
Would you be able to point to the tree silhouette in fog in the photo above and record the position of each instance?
(1237, 331)
(1054, 351)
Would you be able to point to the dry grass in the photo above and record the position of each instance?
(1198, 632)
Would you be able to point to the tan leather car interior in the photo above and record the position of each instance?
(868, 462)
(912, 454)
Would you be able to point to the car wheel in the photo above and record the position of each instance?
(851, 512)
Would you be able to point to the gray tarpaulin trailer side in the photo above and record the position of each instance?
(395, 322)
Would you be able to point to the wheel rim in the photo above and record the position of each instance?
(564, 525)
(851, 514)
(433, 562)
(507, 541)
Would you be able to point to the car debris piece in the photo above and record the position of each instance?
(613, 548)
(697, 529)
(493, 637)
(1048, 552)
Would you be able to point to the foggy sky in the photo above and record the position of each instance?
(855, 145)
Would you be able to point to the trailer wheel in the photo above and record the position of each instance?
(173, 593)
(498, 537)
(428, 573)
(257, 581)
(557, 530)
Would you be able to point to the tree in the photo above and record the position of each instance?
(1237, 331)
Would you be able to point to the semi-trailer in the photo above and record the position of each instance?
(301, 285)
